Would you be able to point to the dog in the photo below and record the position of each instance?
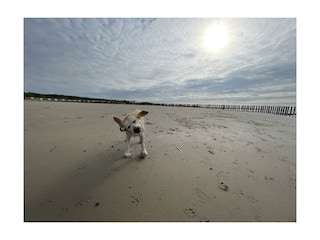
(133, 126)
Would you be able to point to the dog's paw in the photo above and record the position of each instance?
(143, 154)
(127, 154)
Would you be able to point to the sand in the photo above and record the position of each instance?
(203, 165)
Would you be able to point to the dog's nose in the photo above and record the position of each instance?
(136, 130)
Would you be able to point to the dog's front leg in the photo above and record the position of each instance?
(144, 152)
(127, 153)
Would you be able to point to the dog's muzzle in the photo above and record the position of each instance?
(136, 130)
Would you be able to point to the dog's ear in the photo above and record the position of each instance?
(142, 114)
(117, 120)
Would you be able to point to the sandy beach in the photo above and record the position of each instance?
(203, 165)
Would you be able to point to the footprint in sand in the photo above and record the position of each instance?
(136, 199)
(223, 186)
(190, 212)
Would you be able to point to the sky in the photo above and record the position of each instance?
(163, 60)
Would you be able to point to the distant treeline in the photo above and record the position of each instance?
(279, 110)
(68, 98)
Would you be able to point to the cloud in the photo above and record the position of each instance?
(161, 60)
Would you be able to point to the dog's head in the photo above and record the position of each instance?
(133, 123)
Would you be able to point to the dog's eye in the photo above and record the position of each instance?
(134, 121)
(129, 126)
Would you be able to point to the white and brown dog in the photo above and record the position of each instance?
(133, 125)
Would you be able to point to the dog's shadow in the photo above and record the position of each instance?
(112, 160)
(75, 188)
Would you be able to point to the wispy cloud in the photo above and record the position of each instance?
(162, 60)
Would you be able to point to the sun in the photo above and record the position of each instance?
(216, 37)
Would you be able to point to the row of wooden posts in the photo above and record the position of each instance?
(278, 110)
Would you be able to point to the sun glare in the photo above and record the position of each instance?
(216, 37)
